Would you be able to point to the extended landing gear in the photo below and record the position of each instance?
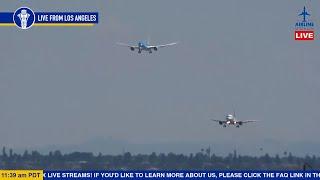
(224, 126)
(150, 52)
(139, 52)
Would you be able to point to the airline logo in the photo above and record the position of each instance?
(25, 18)
(304, 27)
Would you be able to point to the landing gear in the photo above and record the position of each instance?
(150, 52)
(139, 51)
(238, 126)
(224, 126)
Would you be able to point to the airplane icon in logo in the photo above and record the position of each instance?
(304, 13)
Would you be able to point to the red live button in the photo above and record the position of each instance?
(303, 35)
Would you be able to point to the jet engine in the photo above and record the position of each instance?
(155, 48)
(132, 48)
(220, 123)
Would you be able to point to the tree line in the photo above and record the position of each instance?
(203, 160)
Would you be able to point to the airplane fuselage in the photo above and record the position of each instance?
(231, 120)
(145, 47)
(142, 46)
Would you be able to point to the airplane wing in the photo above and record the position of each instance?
(247, 121)
(123, 44)
(219, 121)
(163, 45)
(301, 14)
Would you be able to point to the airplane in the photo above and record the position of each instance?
(142, 46)
(232, 120)
(304, 13)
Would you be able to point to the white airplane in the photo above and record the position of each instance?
(145, 46)
(232, 120)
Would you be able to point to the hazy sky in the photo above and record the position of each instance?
(70, 85)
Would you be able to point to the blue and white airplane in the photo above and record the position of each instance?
(142, 46)
(304, 13)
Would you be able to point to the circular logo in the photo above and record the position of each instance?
(24, 18)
